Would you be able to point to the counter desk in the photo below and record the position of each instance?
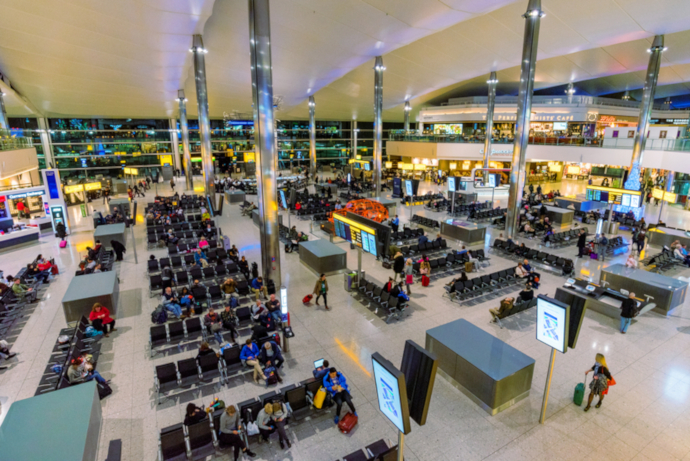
(86, 290)
(464, 231)
(665, 236)
(558, 217)
(579, 205)
(43, 223)
(322, 256)
(107, 232)
(16, 237)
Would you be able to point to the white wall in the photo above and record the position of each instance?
(668, 160)
(13, 162)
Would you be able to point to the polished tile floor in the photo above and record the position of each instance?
(644, 417)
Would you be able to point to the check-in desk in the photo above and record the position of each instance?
(16, 237)
(667, 292)
(661, 236)
(122, 204)
(579, 205)
(322, 256)
(86, 290)
(492, 373)
(106, 233)
(558, 217)
(468, 232)
(235, 196)
(605, 301)
(43, 223)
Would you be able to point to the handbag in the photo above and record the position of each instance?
(215, 327)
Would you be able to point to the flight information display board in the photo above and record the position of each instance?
(631, 198)
(356, 233)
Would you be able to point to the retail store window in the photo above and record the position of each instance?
(615, 134)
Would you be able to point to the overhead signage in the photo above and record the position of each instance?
(92, 186)
(661, 194)
(355, 233)
(33, 193)
(614, 195)
(552, 323)
(74, 189)
(391, 391)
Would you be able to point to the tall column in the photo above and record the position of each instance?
(312, 136)
(493, 80)
(264, 134)
(378, 125)
(570, 91)
(204, 122)
(524, 109)
(46, 144)
(354, 133)
(184, 131)
(175, 143)
(4, 121)
(633, 182)
(408, 108)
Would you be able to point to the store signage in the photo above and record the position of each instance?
(552, 323)
(74, 189)
(498, 151)
(533, 118)
(607, 118)
(661, 194)
(92, 186)
(33, 193)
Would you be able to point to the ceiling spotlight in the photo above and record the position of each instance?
(492, 81)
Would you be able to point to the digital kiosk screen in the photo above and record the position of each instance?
(552, 323)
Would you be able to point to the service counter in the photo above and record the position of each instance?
(579, 205)
(122, 204)
(86, 290)
(668, 293)
(605, 301)
(107, 232)
(492, 373)
(322, 256)
(665, 236)
(6, 223)
(558, 217)
(43, 223)
(70, 430)
(464, 231)
(235, 196)
(16, 237)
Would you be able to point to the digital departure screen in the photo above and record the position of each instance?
(358, 234)
(615, 196)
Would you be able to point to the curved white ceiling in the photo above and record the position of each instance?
(127, 58)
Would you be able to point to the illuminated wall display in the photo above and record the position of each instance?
(616, 196)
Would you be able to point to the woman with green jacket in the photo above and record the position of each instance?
(321, 289)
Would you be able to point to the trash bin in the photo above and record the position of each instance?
(350, 281)
(613, 228)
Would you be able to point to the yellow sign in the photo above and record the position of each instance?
(389, 164)
(165, 159)
(92, 186)
(466, 165)
(249, 157)
(359, 157)
(131, 171)
(136, 154)
(658, 193)
(73, 189)
(670, 197)
(354, 223)
(453, 166)
(406, 166)
(420, 167)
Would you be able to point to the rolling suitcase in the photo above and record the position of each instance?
(226, 243)
(579, 394)
(348, 423)
(63, 243)
(425, 281)
(307, 299)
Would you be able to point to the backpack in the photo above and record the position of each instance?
(91, 332)
(234, 302)
(604, 241)
(158, 316)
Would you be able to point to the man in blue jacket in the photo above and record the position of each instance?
(336, 385)
(258, 287)
(395, 222)
(250, 355)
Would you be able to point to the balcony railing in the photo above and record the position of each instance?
(682, 144)
(10, 142)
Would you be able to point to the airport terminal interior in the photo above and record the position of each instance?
(363, 230)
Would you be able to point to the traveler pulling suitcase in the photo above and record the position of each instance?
(425, 281)
(307, 299)
(320, 397)
(348, 423)
(579, 393)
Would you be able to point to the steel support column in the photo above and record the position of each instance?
(175, 143)
(570, 91)
(4, 121)
(407, 109)
(633, 182)
(493, 80)
(378, 126)
(204, 122)
(46, 143)
(184, 131)
(312, 136)
(524, 111)
(264, 134)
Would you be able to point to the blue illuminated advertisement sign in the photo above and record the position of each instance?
(391, 392)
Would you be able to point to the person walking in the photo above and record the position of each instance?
(600, 384)
(581, 242)
(409, 277)
(398, 265)
(628, 309)
(118, 248)
(321, 289)
(639, 239)
(172, 184)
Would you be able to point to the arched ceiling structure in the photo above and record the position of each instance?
(127, 58)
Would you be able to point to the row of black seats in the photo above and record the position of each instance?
(518, 306)
(424, 221)
(213, 255)
(549, 261)
(461, 209)
(15, 309)
(664, 261)
(483, 285)
(427, 248)
(487, 214)
(179, 248)
(406, 234)
(448, 265)
(379, 299)
(564, 238)
(616, 243)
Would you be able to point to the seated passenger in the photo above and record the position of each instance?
(527, 294)
(506, 305)
(193, 415)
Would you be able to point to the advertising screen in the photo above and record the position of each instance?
(283, 201)
(409, 190)
(391, 392)
(492, 180)
(451, 184)
(367, 166)
(552, 323)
